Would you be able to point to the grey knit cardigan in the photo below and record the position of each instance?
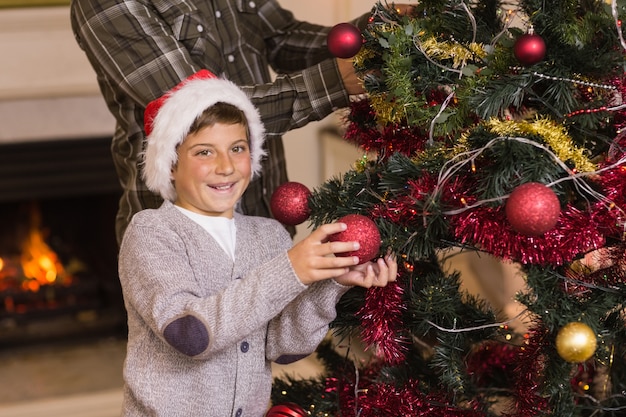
(202, 329)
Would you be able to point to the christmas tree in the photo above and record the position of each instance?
(492, 136)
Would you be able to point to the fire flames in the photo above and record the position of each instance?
(36, 266)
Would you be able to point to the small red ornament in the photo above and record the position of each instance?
(286, 410)
(290, 203)
(532, 209)
(529, 48)
(344, 40)
(360, 229)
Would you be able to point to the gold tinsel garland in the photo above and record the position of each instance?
(458, 53)
(555, 137)
(387, 111)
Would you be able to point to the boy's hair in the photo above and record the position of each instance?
(224, 113)
(169, 119)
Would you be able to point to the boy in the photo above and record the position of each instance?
(213, 296)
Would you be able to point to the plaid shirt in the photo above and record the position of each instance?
(139, 49)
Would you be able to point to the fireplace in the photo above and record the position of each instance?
(58, 253)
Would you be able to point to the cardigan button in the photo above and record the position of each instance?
(239, 412)
(245, 346)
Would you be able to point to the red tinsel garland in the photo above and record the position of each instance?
(364, 397)
(405, 210)
(413, 208)
(576, 233)
(381, 322)
(490, 358)
(364, 131)
(385, 400)
(529, 402)
(613, 182)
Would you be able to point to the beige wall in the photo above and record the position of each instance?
(327, 12)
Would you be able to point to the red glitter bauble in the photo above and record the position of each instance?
(290, 203)
(344, 40)
(286, 410)
(532, 209)
(360, 229)
(529, 49)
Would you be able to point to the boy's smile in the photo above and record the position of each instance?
(213, 169)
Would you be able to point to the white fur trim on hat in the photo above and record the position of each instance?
(170, 126)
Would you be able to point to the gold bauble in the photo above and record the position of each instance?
(576, 342)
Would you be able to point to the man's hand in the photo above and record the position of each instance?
(351, 82)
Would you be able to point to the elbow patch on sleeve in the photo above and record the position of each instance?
(288, 359)
(188, 335)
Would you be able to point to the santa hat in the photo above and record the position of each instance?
(167, 121)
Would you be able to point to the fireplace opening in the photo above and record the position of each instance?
(58, 253)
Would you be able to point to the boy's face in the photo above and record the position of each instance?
(213, 170)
